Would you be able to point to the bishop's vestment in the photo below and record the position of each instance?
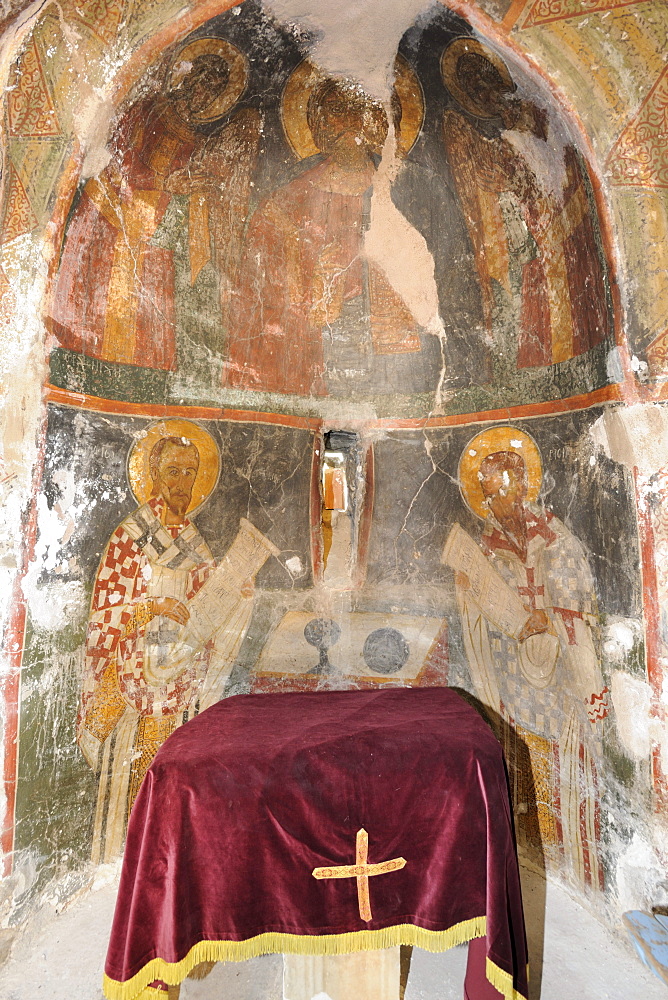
(139, 684)
(548, 687)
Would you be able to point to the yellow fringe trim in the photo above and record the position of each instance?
(502, 981)
(174, 973)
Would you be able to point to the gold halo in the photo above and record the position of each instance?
(449, 61)
(235, 85)
(486, 443)
(306, 77)
(139, 474)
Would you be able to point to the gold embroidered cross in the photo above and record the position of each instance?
(361, 870)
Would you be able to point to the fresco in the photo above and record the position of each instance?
(530, 624)
(524, 585)
(186, 521)
(198, 573)
(154, 655)
(220, 255)
(217, 328)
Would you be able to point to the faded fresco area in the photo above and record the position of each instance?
(314, 400)
(220, 255)
(192, 524)
(530, 606)
(226, 557)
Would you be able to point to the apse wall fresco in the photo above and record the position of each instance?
(138, 651)
(262, 472)
(538, 554)
(220, 256)
(170, 500)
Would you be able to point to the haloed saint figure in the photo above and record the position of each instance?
(303, 268)
(545, 678)
(140, 683)
(535, 241)
(113, 298)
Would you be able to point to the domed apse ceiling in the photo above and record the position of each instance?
(255, 241)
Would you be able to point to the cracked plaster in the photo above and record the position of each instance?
(635, 437)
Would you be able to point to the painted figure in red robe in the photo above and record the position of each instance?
(113, 298)
(303, 265)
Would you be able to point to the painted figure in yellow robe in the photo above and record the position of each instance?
(113, 297)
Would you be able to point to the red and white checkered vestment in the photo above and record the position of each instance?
(120, 586)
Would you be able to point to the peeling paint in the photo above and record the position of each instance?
(447, 365)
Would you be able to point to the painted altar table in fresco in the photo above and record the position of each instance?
(320, 823)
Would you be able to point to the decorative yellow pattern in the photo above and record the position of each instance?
(30, 108)
(535, 784)
(545, 11)
(310, 944)
(361, 870)
(107, 705)
(7, 299)
(19, 217)
(142, 614)
(640, 155)
(657, 353)
(151, 734)
(103, 17)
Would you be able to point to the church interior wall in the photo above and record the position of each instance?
(348, 279)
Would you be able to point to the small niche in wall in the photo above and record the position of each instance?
(345, 495)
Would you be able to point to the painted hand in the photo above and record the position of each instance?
(171, 608)
(536, 623)
(462, 580)
(248, 588)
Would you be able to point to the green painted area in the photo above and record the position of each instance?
(39, 163)
(129, 383)
(56, 788)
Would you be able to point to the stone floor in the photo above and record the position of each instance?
(60, 957)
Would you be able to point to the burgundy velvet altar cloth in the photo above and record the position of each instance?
(243, 802)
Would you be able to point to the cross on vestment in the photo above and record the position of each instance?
(531, 590)
(361, 870)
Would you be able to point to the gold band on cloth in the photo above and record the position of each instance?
(350, 871)
(361, 870)
(142, 614)
(310, 944)
(502, 981)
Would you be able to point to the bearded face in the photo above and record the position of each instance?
(503, 493)
(175, 476)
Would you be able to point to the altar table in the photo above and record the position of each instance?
(320, 823)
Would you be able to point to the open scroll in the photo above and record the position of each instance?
(498, 602)
(216, 603)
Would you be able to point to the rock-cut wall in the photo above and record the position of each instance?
(365, 331)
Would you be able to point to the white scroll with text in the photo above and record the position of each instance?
(499, 603)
